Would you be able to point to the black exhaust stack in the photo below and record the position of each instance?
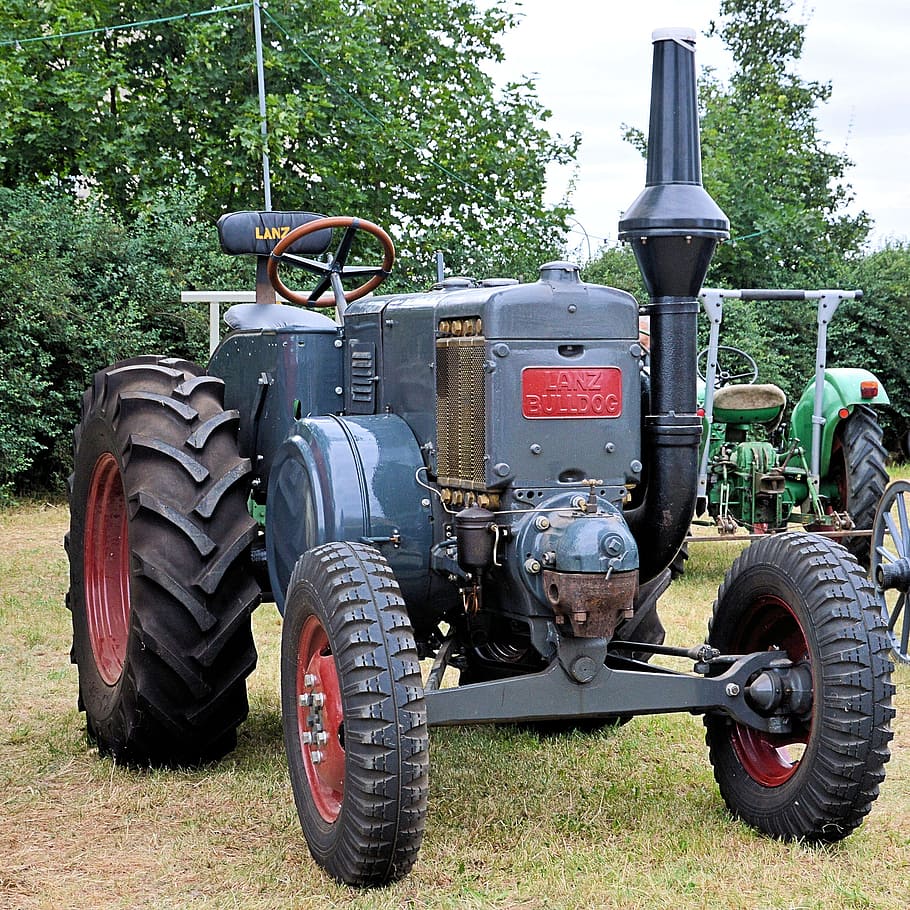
(674, 227)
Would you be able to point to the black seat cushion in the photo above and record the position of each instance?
(256, 233)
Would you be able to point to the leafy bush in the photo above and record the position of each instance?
(82, 289)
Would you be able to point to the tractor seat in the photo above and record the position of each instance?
(746, 404)
(252, 316)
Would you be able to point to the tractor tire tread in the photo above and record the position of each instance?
(182, 693)
(867, 474)
(841, 782)
(386, 741)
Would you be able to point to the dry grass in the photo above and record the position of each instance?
(629, 818)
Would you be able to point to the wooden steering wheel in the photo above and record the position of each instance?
(331, 273)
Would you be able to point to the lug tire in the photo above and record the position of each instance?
(807, 596)
(859, 468)
(159, 592)
(361, 787)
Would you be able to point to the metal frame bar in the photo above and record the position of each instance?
(579, 684)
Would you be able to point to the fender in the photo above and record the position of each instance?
(842, 390)
(349, 478)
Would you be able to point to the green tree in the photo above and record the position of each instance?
(380, 109)
(765, 161)
(80, 290)
(785, 193)
(871, 332)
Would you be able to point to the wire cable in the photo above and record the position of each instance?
(105, 29)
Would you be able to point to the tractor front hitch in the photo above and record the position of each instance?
(762, 690)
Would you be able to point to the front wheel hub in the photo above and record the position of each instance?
(320, 719)
(788, 690)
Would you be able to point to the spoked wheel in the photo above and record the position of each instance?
(332, 274)
(891, 564)
(354, 716)
(733, 365)
(818, 775)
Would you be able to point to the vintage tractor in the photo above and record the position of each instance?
(476, 478)
(825, 469)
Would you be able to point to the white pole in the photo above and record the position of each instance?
(264, 127)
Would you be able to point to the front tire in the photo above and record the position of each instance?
(806, 596)
(159, 593)
(354, 717)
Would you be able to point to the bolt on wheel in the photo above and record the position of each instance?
(815, 772)
(353, 712)
(320, 719)
(890, 564)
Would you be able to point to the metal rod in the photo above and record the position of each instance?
(263, 119)
(723, 538)
(827, 306)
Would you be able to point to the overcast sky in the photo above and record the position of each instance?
(592, 60)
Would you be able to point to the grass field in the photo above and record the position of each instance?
(629, 818)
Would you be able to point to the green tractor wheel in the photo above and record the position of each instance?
(858, 468)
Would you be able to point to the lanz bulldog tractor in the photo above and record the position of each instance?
(478, 477)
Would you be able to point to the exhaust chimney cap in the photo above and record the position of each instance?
(680, 34)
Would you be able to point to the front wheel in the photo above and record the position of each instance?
(354, 716)
(807, 597)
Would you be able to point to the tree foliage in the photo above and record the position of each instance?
(871, 332)
(380, 109)
(786, 194)
(80, 290)
(766, 163)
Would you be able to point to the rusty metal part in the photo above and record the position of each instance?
(591, 603)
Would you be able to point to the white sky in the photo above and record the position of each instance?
(593, 64)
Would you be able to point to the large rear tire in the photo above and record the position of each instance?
(806, 596)
(159, 589)
(354, 717)
(859, 469)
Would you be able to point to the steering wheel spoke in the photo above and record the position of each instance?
(301, 262)
(360, 271)
(320, 289)
(729, 359)
(328, 290)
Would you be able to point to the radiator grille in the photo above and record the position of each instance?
(461, 412)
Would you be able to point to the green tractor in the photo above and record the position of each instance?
(824, 469)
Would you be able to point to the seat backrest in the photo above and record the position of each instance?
(256, 233)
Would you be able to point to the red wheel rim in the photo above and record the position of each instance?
(106, 568)
(766, 756)
(320, 719)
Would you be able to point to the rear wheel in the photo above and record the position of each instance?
(859, 470)
(806, 597)
(159, 593)
(354, 716)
